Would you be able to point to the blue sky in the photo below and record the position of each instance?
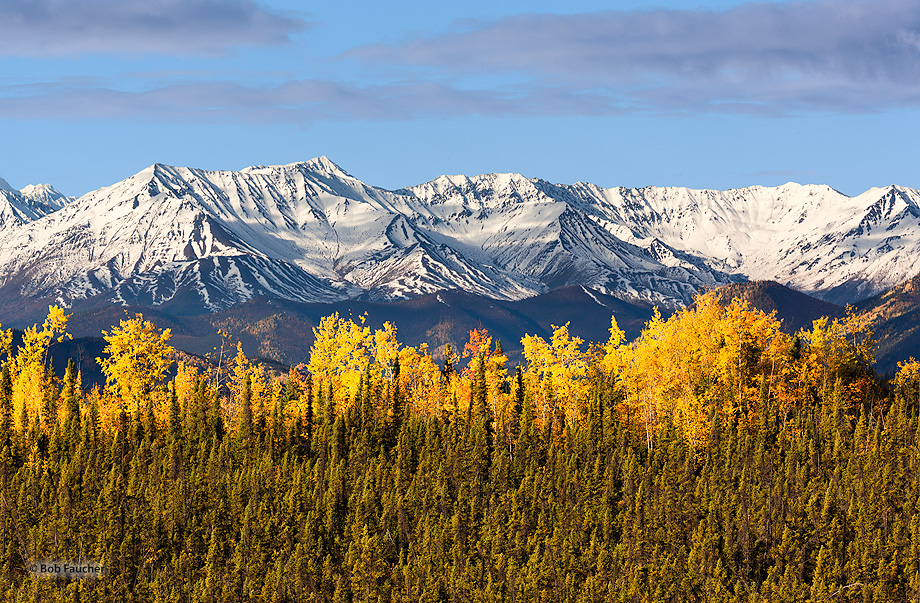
(705, 94)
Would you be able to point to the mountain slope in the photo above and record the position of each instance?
(811, 238)
(895, 318)
(796, 310)
(191, 241)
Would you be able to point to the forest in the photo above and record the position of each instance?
(715, 458)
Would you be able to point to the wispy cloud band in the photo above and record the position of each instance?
(129, 27)
(824, 54)
(295, 101)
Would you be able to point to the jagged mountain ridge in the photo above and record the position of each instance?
(190, 240)
(811, 238)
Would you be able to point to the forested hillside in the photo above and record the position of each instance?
(714, 459)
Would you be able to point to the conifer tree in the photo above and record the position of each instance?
(6, 404)
(70, 400)
(245, 410)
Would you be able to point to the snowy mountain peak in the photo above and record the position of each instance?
(310, 231)
(483, 192)
(324, 165)
(29, 204)
(44, 193)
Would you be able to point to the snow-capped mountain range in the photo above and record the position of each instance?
(191, 240)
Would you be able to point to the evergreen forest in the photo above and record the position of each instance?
(714, 459)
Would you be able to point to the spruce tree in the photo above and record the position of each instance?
(6, 405)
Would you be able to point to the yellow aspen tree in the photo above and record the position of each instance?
(6, 344)
(704, 358)
(340, 353)
(449, 380)
(480, 350)
(560, 369)
(262, 389)
(839, 351)
(240, 369)
(420, 379)
(137, 358)
(907, 380)
(639, 374)
(611, 352)
(29, 366)
(185, 381)
(385, 349)
(183, 385)
(539, 367)
(497, 384)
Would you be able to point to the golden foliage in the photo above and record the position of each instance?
(185, 381)
(558, 371)
(491, 361)
(420, 379)
(34, 349)
(705, 360)
(263, 391)
(907, 379)
(28, 366)
(708, 361)
(138, 356)
(340, 353)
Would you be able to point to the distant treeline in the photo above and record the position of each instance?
(714, 459)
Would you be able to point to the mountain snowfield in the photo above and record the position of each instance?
(192, 240)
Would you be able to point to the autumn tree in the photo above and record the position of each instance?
(559, 370)
(261, 393)
(340, 353)
(907, 380)
(485, 376)
(30, 363)
(705, 359)
(837, 353)
(420, 378)
(137, 358)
